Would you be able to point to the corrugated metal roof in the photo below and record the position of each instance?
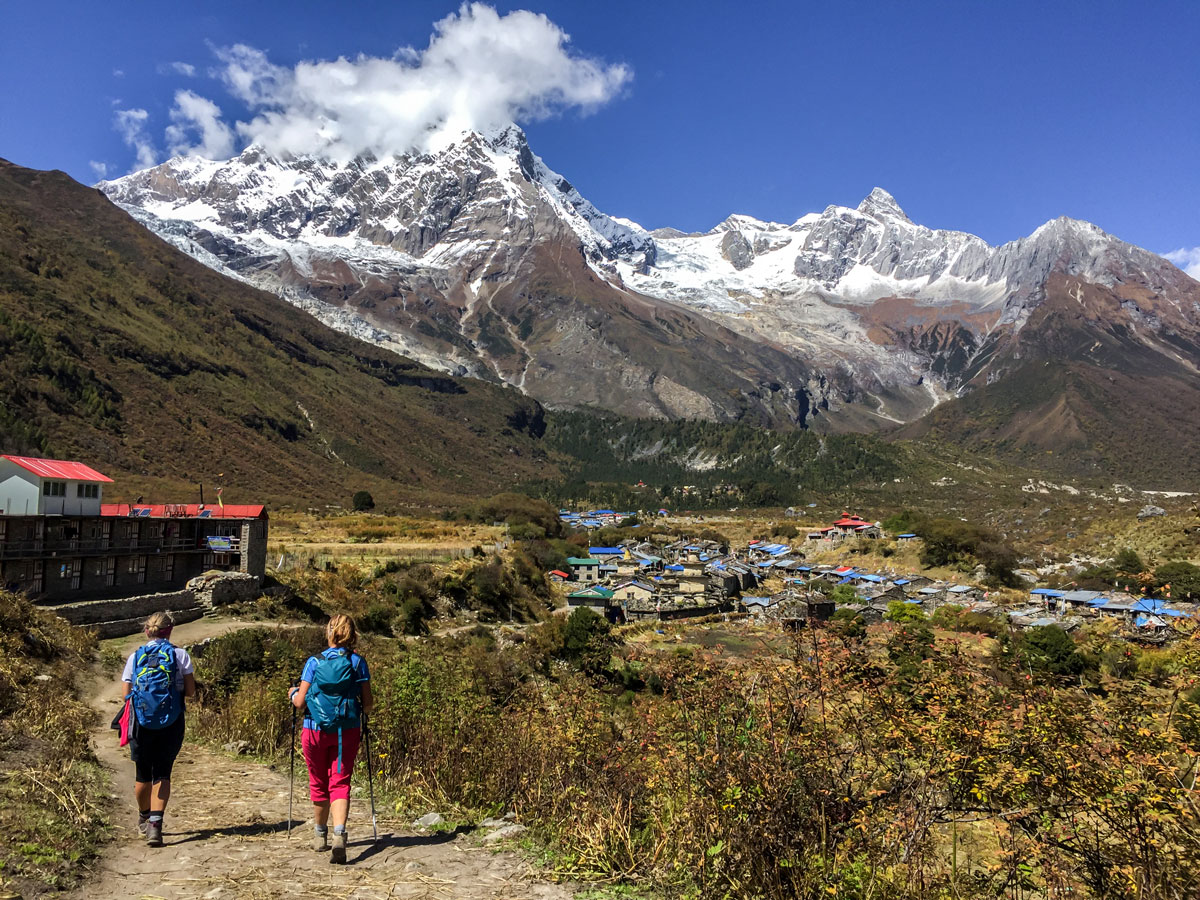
(58, 468)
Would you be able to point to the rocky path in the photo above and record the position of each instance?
(226, 836)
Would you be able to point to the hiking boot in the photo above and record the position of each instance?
(339, 848)
(154, 833)
(142, 823)
(320, 841)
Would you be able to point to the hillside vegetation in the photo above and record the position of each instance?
(52, 791)
(117, 349)
(894, 762)
(723, 464)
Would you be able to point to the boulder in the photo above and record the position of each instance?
(1149, 511)
(429, 820)
(508, 831)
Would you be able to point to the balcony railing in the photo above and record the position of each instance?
(49, 549)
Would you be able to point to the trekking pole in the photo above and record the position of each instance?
(370, 777)
(291, 766)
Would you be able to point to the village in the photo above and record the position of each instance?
(774, 582)
(103, 565)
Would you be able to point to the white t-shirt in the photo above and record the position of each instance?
(183, 664)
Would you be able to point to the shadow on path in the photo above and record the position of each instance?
(203, 834)
(388, 841)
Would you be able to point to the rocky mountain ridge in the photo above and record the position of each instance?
(481, 260)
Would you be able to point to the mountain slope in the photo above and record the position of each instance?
(120, 350)
(1099, 383)
(478, 261)
(481, 260)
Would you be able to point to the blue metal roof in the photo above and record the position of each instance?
(673, 568)
(874, 579)
(905, 535)
(1047, 592)
(901, 581)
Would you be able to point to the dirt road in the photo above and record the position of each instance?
(226, 835)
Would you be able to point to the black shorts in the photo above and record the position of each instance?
(153, 750)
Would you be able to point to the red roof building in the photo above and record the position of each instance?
(58, 468)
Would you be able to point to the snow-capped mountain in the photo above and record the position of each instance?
(482, 260)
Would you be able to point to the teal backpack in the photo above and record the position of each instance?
(156, 703)
(333, 697)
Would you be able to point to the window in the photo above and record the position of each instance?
(87, 491)
(106, 569)
(54, 488)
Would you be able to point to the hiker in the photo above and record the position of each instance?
(334, 691)
(157, 678)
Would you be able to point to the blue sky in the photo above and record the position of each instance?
(985, 117)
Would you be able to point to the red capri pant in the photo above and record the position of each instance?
(325, 782)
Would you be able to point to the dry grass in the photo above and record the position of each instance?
(51, 788)
(340, 536)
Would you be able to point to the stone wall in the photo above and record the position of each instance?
(116, 618)
(213, 589)
(89, 612)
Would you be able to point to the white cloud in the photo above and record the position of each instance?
(481, 70)
(99, 169)
(118, 73)
(1187, 259)
(192, 117)
(131, 125)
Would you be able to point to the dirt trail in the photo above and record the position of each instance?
(226, 835)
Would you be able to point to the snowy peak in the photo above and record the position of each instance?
(482, 187)
(882, 205)
(479, 258)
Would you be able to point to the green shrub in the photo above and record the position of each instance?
(1049, 649)
(900, 611)
(588, 641)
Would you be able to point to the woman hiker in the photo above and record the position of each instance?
(157, 678)
(334, 691)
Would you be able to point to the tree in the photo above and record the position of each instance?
(1127, 562)
(903, 612)
(849, 623)
(1183, 578)
(363, 501)
(588, 640)
(844, 595)
(1049, 649)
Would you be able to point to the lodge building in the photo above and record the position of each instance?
(59, 540)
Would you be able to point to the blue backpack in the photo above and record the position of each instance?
(333, 696)
(156, 702)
